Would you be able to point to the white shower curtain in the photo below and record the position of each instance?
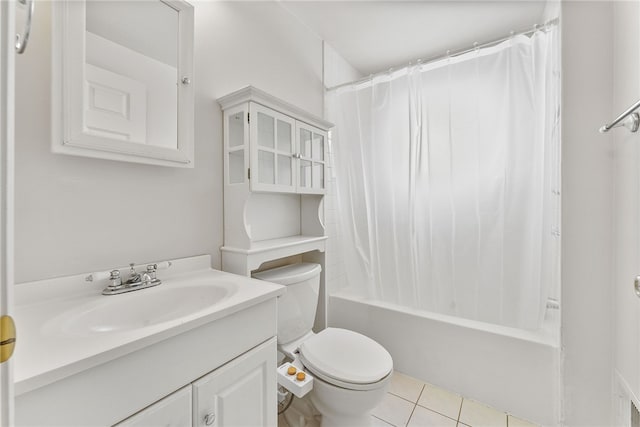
(447, 179)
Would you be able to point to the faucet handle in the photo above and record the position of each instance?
(163, 265)
(101, 275)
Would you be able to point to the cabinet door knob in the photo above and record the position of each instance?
(209, 418)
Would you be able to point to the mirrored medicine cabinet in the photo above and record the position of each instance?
(122, 80)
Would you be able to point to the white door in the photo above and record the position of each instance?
(7, 53)
(626, 215)
(240, 393)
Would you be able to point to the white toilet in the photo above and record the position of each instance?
(351, 371)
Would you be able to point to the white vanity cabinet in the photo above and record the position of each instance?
(216, 360)
(273, 146)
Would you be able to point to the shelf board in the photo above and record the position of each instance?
(277, 244)
(244, 260)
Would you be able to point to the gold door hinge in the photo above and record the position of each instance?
(7, 338)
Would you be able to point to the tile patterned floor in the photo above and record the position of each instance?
(413, 403)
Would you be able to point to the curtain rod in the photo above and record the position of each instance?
(536, 27)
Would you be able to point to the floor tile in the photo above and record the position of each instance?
(441, 401)
(377, 422)
(478, 415)
(423, 417)
(405, 386)
(394, 410)
(517, 422)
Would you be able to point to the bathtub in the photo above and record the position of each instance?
(514, 370)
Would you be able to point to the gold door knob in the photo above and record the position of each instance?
(7, 338)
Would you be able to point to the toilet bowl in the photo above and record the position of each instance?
(351, 371)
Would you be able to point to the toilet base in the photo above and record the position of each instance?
(346, 408)
(302, 413)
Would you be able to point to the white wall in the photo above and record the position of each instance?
(337, 70)
(76, 215)
(586, 213)
(626, 190)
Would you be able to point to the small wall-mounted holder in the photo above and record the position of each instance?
(628, 119)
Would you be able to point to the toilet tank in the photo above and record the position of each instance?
(297, 307)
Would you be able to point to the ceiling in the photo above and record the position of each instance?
(376, 35)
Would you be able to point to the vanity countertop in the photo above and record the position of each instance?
(58, 334)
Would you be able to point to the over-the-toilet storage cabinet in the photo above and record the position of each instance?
(275, 172)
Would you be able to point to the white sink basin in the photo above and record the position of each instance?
(140, 309)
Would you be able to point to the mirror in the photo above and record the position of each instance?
(122, 80)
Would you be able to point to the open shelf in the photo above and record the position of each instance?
(243, 261)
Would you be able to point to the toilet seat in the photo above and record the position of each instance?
(346, 359)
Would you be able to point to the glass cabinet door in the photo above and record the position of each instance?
(236, 140)
(272, 154)
(311, 146)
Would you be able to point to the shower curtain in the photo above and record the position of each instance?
(447, 182)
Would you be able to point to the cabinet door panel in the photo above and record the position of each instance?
(305, 142)
(312, 146)
(240, 393)
(266, 167)
(285, 170)
(317, 147)
(272, 150)
(266, 130)
(172, 411)
(304, 174)
(236, 139)
(285, 141)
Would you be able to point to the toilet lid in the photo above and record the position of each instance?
(346, 356)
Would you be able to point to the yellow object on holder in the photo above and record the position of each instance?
(300, 376)
(7, 338)
(292, 370)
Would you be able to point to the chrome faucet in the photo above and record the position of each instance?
(135, 281)
(134, 277)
